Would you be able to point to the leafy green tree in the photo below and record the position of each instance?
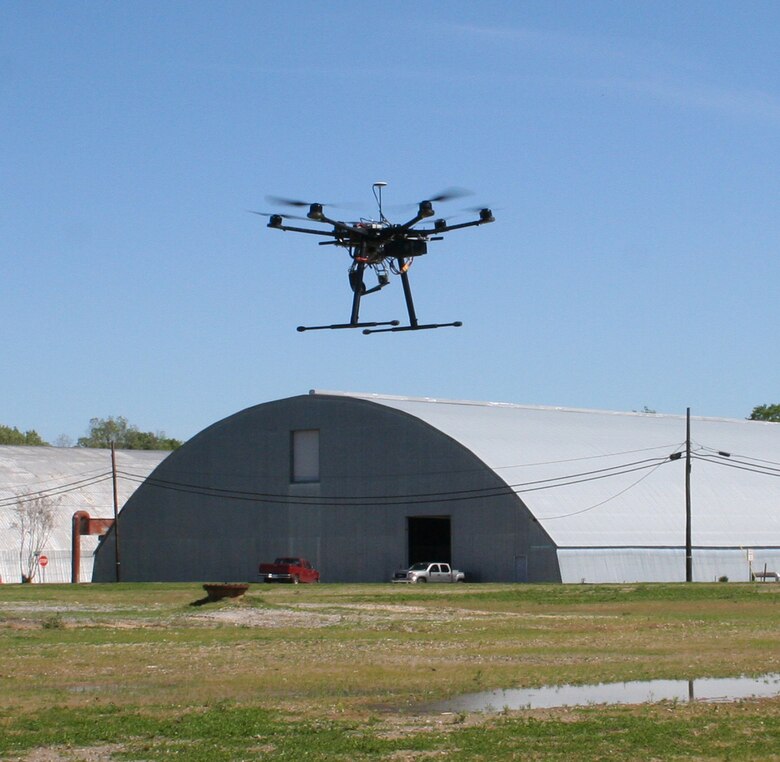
(766, 413)
(103, 432)
(12, 436)
(146, 440)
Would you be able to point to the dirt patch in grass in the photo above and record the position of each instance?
(317, 615)
(105, 753)
(270, 617)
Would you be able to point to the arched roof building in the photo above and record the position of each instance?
(70, 479)
(363, 484)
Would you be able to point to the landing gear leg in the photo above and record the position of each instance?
(358, 290)
(413, 322)
(358, 287)
(407, 293)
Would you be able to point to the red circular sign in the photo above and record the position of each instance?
(43, 560)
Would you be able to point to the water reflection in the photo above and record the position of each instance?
(636, 692)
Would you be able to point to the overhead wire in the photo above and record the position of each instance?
(650, 465)
(712, 452)
(603, 502)
(532, 464)
(55, 491)
(665, 448)
(93, 472)
(738, 465)
(411, 498)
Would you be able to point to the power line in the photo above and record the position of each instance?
(664, 448)
(534, 464)
(423, 497)
(92, 473)
(716, 451)
(61, 489)
(599, 504)
(412, 498)
(747, 459)
(739, 465)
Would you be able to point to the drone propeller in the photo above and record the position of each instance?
(475, 209)
(286, 201)
(298, 204)
(450, 193)
(274, 214)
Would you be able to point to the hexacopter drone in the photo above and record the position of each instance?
(381, 246)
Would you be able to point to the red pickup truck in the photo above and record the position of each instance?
(293, 570)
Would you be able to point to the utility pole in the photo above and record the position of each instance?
(116, 514)
(676, 456)
(688, 545)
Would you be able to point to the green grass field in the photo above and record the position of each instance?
(104, 672)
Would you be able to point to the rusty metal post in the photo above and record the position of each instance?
(75, 551)
(83, 524)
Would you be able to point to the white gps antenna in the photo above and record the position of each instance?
(377, 188)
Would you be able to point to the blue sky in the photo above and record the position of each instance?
(631, 152)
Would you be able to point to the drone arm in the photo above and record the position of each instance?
(485, 216)
(425, 210)
(407, 225)
(316, 214)
(342, 227)
(291, 229)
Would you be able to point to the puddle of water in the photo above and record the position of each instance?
(636, 692)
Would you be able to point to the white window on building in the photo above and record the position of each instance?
(305, 454)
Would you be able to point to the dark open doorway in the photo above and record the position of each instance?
(429, 539)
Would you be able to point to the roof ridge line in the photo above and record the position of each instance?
(518, 405)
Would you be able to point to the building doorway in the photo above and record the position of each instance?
(429, 539)
(521, 568)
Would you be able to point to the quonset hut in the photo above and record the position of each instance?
(69, 479)
(363, 484)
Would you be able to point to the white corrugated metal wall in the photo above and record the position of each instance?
(74, 479)
(663, 564)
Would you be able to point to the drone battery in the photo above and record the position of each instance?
(405, 249)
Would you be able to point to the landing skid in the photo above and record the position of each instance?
(337, 326)
(456, 324)
(358, 289)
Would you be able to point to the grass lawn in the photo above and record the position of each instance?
(134, 671)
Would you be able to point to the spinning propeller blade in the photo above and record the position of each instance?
(298, 204)
(451, 193)
(446, 195)
(287, 201)
(475, 209)
(275, 214)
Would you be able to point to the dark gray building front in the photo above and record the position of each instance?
(359, 488)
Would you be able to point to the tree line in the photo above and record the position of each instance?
(102, 432)
(766, 413)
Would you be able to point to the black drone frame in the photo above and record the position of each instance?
(373, 244)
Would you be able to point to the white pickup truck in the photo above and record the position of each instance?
(429, 572)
